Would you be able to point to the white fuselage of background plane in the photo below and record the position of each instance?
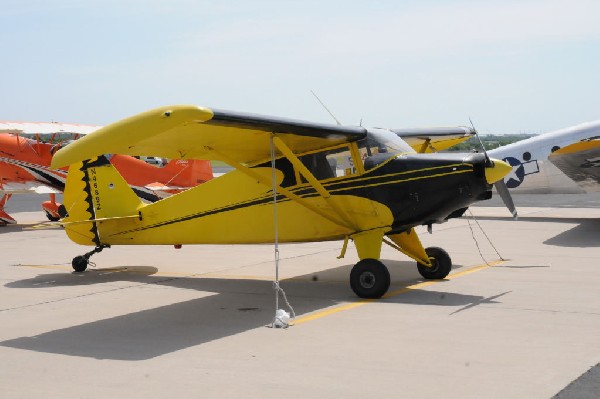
(532, 172)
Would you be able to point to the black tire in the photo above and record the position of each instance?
(369, 278)
(50, 217)
(79, 263)
(62, 211)
(441, 264)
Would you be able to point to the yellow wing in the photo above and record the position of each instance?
(192, 132)
(434, 139)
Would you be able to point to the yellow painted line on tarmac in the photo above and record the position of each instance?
(404, 290)
(43, 226)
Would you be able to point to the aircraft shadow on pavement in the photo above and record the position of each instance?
(13, 228)
(237, 305)
(584, 234)
(23, 227)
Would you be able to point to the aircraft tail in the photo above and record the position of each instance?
(98, 202)
(189, 173)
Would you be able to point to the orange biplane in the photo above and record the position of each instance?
(25, 167)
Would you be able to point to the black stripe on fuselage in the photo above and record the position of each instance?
(39, 171)
(149, 196)
(357, 186)
(351, 184)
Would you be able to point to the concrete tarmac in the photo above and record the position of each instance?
(155, 322)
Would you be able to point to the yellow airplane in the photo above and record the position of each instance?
(331, 182)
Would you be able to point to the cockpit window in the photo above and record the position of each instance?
(382, 143)
(345, 159)
(60, 145)
(329, 164)
(387, 141)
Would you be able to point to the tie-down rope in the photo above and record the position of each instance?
(486, 236)
(281, 318)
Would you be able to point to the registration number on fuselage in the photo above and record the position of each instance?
(94, 189)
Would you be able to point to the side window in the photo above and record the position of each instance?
(329, 164)
(341, 162)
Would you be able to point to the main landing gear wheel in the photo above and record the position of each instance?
(51, 217)
(369, 278)
(441, 264)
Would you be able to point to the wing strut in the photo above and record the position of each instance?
(312, 180)
(425, 145)
(248, 171)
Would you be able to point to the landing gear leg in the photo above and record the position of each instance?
(80, 263)
(5, 218)
(433, 263)
(51, 208)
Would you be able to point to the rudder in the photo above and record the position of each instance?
(94, 194)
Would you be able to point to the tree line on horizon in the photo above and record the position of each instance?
(490, 141)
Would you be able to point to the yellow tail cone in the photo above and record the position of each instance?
(497, 172)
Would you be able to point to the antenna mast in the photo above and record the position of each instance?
(326, 109)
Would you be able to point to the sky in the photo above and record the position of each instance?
(527, 66)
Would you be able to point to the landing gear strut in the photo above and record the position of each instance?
(369, 278)
(80, 263)
(51, 208)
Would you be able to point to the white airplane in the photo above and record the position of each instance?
(563, 161)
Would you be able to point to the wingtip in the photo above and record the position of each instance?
(118, 137)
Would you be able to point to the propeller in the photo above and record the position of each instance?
(500, 185)
(502, 190)
(488, 161)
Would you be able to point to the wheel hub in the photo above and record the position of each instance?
(367, 280)
(434, 264)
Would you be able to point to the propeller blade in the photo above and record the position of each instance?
(506, 197)
(499, 184)
(487, 158)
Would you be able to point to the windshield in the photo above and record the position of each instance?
(60, 145)
(384, 141)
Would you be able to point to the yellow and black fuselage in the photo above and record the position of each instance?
(392, 193)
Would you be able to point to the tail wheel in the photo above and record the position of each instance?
(441, 264)
(369, 278)
(79, 263)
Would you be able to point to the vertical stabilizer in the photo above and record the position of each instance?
(188, 173)
(96, 195)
